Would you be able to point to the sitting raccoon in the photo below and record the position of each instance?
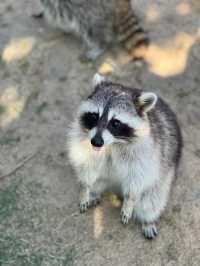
(99, 23)
(127, 141)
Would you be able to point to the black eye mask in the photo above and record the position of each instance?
(89, 120)
(119, 129)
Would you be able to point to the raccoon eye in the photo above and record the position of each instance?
(119, 129)
(115, 123)
(89, 120)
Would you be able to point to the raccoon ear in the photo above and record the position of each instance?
(146, 101)
(97, 79)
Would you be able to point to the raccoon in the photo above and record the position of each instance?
(99, 23)
(126, 141)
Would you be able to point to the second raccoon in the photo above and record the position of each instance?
(99, 23)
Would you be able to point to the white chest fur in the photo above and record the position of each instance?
(135, 167)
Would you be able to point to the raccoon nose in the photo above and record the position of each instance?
(97, 141)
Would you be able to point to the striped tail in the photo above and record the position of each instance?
(130, 34)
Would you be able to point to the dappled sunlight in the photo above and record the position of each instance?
(171, 58)
(107, 67)
(167, 59)
(183, 8)
(196, 5)
(13, 105)
(18, 49)
(110, 65)
(152, 13)
(98, 222)
(112, 200)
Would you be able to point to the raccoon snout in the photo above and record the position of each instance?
(97, 141)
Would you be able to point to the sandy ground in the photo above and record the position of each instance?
(41, 84)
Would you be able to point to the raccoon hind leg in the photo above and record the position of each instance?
(127, 209)
(150, 207)
(149, 230)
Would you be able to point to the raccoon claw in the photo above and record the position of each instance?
(124, 218)
(83, 207)
(150, 231)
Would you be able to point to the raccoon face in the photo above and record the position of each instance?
(115, 114)
(103, 131)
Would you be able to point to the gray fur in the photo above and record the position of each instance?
(139, 168)
(93, 21)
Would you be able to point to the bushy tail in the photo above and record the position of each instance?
(130, 33)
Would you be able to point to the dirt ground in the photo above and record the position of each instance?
(41, 83)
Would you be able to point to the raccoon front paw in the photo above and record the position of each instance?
(83, 206)
(150, 231)
(127, 209)
(84, 198)
(125, 217)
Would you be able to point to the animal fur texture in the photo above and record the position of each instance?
(99, 23)
(127, 141)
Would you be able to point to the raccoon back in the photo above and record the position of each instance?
(166, 133)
